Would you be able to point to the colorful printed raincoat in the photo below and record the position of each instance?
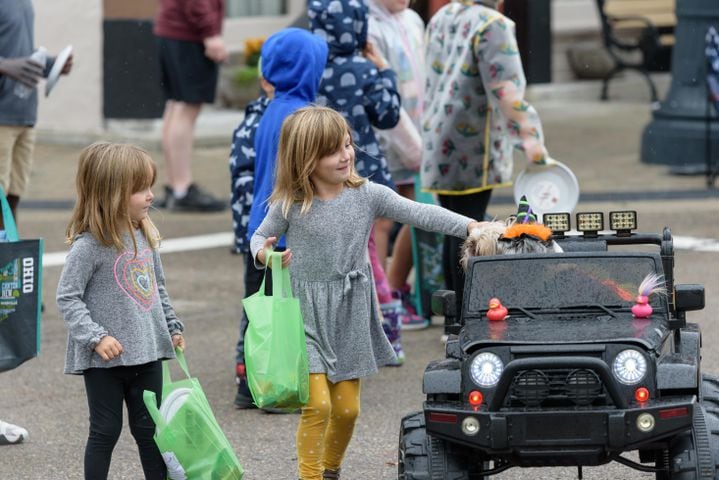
(399, 37)
(352, 85)
(475, 114)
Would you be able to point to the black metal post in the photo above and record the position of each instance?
(533, 23)
(677, 134)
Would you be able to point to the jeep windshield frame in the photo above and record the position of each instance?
(540, 284)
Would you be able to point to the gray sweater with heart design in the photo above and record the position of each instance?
(103, 291)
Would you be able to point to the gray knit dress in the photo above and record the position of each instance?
(331, 274)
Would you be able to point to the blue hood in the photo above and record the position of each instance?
(343, 23)
(293, 61)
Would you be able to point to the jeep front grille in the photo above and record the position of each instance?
(583, 386)
(556, 387)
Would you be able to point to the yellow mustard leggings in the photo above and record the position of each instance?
(326, 425)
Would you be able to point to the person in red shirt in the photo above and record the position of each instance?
(190, 49)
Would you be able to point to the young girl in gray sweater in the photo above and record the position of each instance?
(326, 210)
(112, 296)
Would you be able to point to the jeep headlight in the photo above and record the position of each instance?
(629, 367)
(485, 370)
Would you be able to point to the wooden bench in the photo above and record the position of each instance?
(638, 35)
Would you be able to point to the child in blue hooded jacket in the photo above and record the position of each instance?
(293, 61)
(358, 84)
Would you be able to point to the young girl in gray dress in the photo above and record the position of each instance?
(112, 296)
(326, 210)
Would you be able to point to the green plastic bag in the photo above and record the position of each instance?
(189, 438)
(275, 348)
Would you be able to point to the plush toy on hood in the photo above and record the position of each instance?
(525, 235)
(518, 234)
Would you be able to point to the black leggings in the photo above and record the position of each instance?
(106, 389)
(473, 206)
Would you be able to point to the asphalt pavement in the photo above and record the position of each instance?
(598, 140)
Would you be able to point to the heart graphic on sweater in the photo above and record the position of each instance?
(135, 276)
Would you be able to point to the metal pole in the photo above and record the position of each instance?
(676, 136)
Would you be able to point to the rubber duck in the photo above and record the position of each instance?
(642, 309)
(652, 283)
(497, 312)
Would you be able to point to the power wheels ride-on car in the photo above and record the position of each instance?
(570, 377)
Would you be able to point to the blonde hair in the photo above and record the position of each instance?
(107, 176)
(308, 135)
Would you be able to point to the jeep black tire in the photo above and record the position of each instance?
(423, 457)
(695, 454)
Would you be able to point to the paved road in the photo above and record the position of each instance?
(600, 141)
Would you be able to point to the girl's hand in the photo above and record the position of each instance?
(178, 341)
(108, 348)
(269, 244)
(286, 258)
(473, 225)
(371, 54)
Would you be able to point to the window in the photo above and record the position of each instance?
(248, 8)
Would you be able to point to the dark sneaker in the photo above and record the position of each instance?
(11, 434)
(195, 200)
(331, 475)
(162, 203)
(243, 398)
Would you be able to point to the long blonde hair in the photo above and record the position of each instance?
(308, 135)
(107, 176)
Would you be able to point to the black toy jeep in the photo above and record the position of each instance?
(570, 377)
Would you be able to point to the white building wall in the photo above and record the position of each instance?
(574, 16)
(75, 104)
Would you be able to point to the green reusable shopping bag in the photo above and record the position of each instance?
(275, 348)
(189, 438)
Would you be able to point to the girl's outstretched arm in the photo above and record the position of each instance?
(387, 203)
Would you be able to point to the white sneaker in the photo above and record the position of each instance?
(10, 434)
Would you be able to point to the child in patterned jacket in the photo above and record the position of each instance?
(242, 181)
